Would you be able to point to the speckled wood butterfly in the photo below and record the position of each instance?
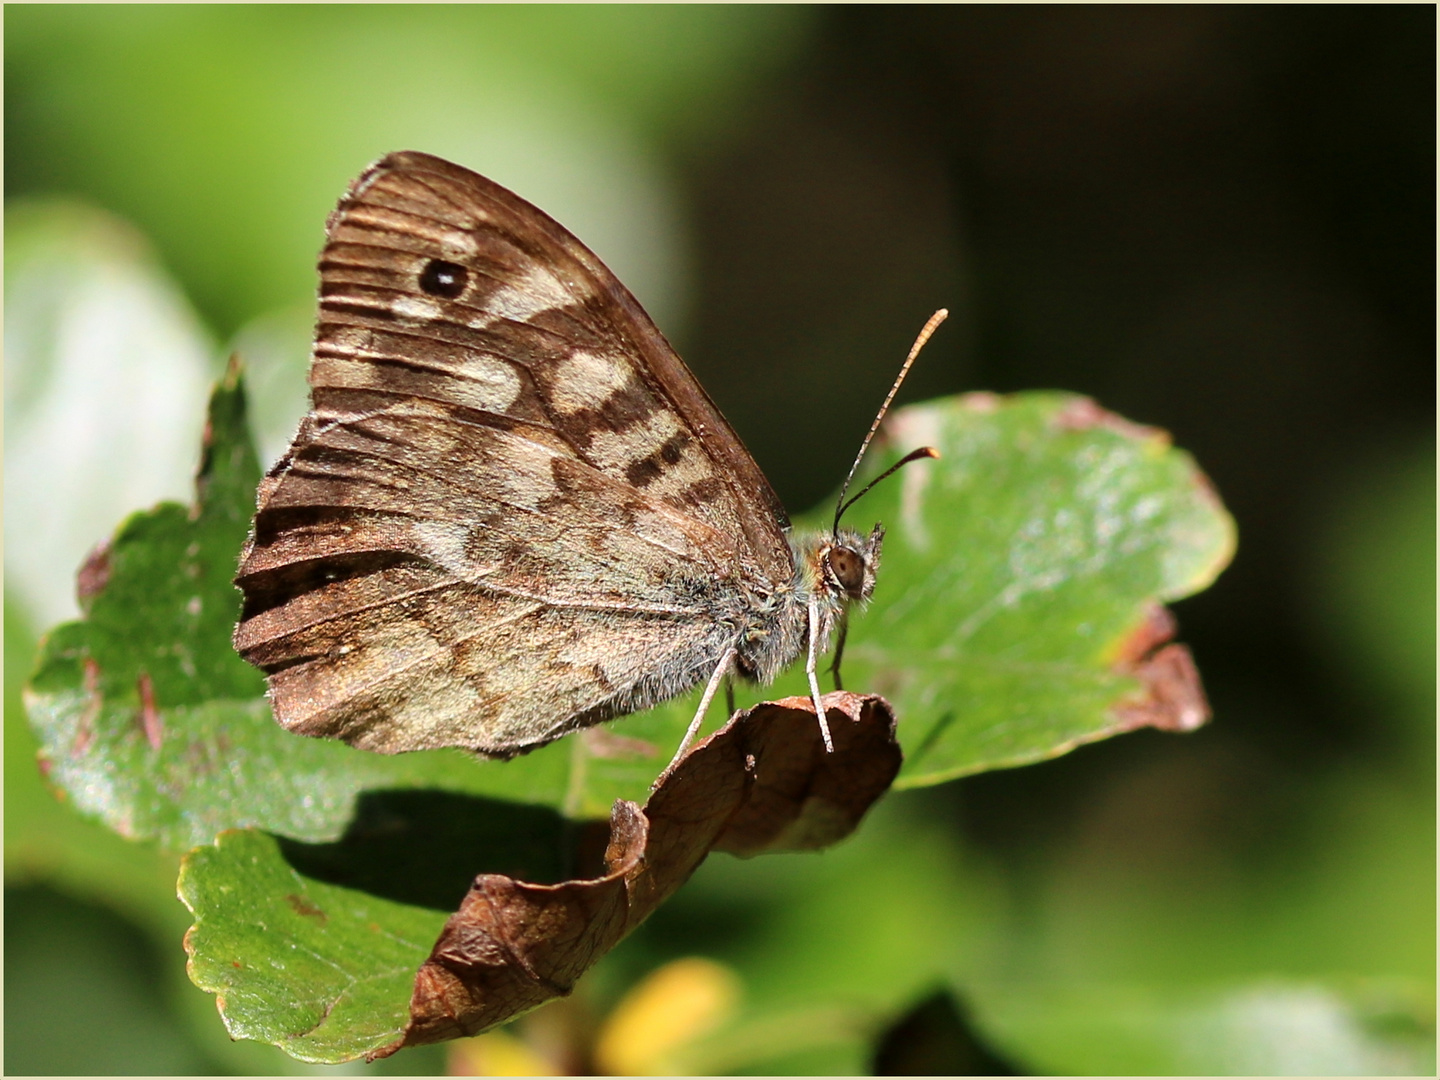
(512, 512)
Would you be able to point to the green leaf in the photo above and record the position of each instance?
(323, 972)
(1015, 569)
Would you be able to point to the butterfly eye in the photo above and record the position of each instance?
(441, 278)
(848, 568)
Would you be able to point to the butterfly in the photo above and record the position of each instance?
(512, 512)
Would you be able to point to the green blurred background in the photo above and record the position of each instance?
(1219, 220)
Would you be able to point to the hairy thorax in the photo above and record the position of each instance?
(832, 571)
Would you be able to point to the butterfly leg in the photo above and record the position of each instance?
(840, 649)
(721, 670)
(730, 695)
(814, 682)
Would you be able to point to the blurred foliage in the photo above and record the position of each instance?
(213, 128)
(1217, 220)
(1375, 558)
(105, 372)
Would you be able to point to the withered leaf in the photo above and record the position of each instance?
(762, 783)
(1171, 696)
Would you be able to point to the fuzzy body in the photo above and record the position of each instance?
(769, 627)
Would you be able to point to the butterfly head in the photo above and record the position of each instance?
(843, 564)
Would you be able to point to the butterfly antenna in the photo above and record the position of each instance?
(924, 336)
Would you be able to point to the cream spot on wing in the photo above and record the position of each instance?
(492, 384)
(415, 307)
(459, 246)
(475, 380)
(444, 543)
(438, 705)
(585, 381)
(675, 479)
(406, 672)
(356, 339)
(525, 480)
(538, 290)
(612, 450)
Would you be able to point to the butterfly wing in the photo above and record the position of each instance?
(512, 510)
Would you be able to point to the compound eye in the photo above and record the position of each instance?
(848, 568)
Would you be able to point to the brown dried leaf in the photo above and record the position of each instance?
(1172, 698)
(761, 783)
(804, 799)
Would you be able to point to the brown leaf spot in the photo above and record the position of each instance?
(1083, 413)
(1172, 697)
(1158, 627)
(85, 729)
(763, 782)
(199, 760)
(981, 401)
(149, 714)
(301, 906)
(94, 574)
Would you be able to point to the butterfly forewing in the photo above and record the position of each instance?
(541, 332)
(512, 510)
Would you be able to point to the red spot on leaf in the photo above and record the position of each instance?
(981, 401)
(94, 575)
(149, 713)
(1173, 698)
(85, 728)
(1083, 413)
(302, 906)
